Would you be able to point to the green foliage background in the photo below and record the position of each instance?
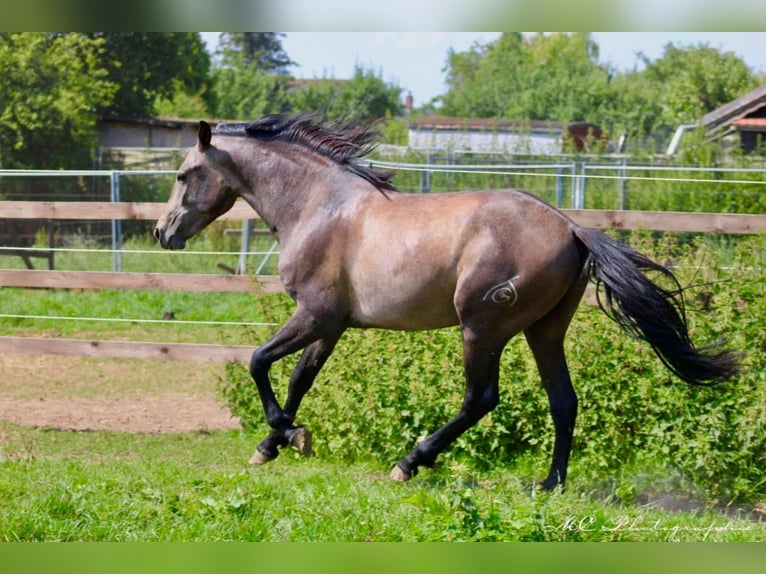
(56, 86)
(559, 76)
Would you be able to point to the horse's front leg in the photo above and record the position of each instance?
(303, 330)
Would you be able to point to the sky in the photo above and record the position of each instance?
(415, 61)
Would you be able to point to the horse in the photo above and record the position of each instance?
(355, 252)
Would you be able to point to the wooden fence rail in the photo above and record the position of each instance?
(102, 210)
(600, 219)
(144, 281)
(735, 223)
(597, 218)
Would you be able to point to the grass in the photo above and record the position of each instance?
(138, 305)
(110, 486)
(141, 305)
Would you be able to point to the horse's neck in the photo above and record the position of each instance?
(280, 187)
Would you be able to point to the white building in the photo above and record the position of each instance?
(493, 135)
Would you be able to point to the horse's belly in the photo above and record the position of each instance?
(393, 304)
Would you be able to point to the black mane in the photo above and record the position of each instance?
(343, 143)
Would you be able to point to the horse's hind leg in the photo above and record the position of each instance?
(482, 365)
(546, 339)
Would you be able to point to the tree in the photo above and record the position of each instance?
(364, 97)
(148, 65)
(182, 104)
(249, 75)
(632, 108)
(252, 80)
(52, 86)
(264, 49)
(558, 77)
(540, 77)
(689, 82)
(243, 92)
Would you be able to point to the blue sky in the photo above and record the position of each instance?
(415, 60)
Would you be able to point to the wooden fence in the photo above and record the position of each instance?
(600, 219)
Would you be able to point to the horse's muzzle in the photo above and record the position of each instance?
(172, 242)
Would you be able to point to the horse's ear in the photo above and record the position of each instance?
(203, 136)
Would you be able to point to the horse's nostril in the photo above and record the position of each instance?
(157, 233)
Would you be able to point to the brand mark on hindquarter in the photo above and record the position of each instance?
(504, 292)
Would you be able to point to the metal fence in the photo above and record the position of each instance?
(594, 182)
(604, 182)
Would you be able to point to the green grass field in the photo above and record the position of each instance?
(102, 486)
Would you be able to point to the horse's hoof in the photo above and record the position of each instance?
(300, 439)
(550, 485)
(260, 458)
(399, 475)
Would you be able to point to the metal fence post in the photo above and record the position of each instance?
(425, 177)
(622, 192)
(559, 186)
(244, 248)
(575, 186)
(583, 181)
(114, 190)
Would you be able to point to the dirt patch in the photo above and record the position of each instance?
(76, 393)
(137, 413)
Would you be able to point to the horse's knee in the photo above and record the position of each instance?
(259, 364)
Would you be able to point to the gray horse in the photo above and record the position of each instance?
(355, 252)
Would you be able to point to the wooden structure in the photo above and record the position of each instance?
(745, 116)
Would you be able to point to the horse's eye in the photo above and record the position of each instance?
(181, 177)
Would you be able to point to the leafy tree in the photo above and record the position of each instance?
(366, 96)
(465, 96)
(52, 86)
(182, 104)
(244, 92)
(540, 77)
(634, 109)
(252, 79)
(148, 65)
(262, 48)
(249, 75)
(558, 77)
(689, 82)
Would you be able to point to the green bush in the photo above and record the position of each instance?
(382, 390)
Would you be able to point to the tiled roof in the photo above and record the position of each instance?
(483, 124)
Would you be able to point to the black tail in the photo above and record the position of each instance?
(647, 311)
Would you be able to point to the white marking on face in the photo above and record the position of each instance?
(504, 292)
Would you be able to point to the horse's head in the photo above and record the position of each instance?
(205, 188)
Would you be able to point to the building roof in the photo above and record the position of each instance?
(735, 110)
(484, 124)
